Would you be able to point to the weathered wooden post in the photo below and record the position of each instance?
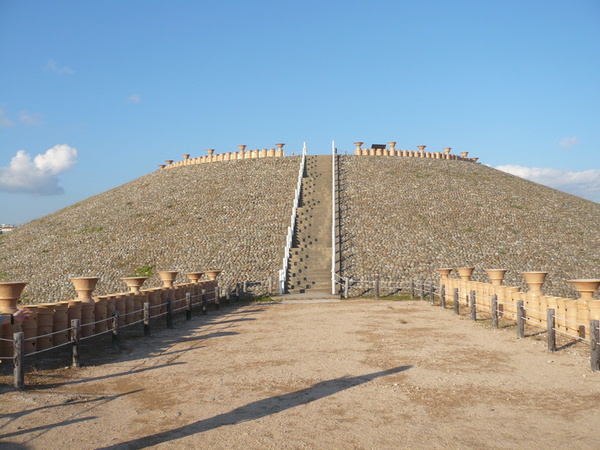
(270, 285)
(473, 306)
(494, 311)
(422, 290)
(594, 345)
(18, 354)
(227, 296)
(443, 296)
(456, 305)
(76, 336)
(115, 330)
(550, 320)
(245, 290)
(146, 318)
(237, 292)
(169, 314)
(346, 287)
(217, 298)
(520, 319)
(203, 303)
(412, 288)
(188, 306)
(377, 288)
(431, 292)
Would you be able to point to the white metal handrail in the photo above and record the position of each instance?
(290, 233)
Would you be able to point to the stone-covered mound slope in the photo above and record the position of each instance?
(404, 217)
(230, 215)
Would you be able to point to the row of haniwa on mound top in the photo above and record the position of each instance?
(572, 316)
(382, 150)
(49, 323)
(229, 156)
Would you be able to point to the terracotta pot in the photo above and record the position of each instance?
(586, 289)
(134, 283)
(88, 317)
(465, 273)
(121, 307)
(84, 286)
(194, 276)
(535, 280)
(496, 276)
(129, 307)
(444, 273)
(168, 277)
(212, 274)
(10, 293)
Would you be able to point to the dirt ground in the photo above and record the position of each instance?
(352, 374)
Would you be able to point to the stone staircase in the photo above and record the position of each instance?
(310, 259)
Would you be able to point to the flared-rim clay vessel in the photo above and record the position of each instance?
(444, 272)
(134, 283)
(535, 280)
(10, 293)
(495, 275)
(465, 273)
(194, 277)
(212, 274)
(586, 288)
(84, 286)
(168, 277)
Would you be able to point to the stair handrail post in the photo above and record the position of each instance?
(333, 151)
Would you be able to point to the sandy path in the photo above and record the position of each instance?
(354, 374)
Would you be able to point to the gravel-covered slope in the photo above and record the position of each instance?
(231, 215)
(405, 217)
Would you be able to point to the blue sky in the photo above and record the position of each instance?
(95, 94)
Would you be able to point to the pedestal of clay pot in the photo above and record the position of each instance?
(45, 326)
(586, 289)
(212, 274)
(30, 329)
(100, 312)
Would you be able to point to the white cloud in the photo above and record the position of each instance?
(134, 98)
(52, 66)
(569, 142)
(40, 175)
(30, 118)
(584, 184)
(5, 122)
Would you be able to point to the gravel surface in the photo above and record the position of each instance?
(352, 374)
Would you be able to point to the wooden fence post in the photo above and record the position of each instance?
(270, 285)
(75, 337)
(422, 290)
(115, 330)
(188, 306)
(346, 287)
(594, 345)
(494, 311)
(377, 288)
(473, 306)
(169, 313)
(146, 318)
(520, 319)
(456, 305)
(227, 296)
(203, 303)
(551, 329)
(18, 353)
(431, 294)
(245, 290)
(237, 292)
(217, 298)
(412, 289)
(443, 296)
